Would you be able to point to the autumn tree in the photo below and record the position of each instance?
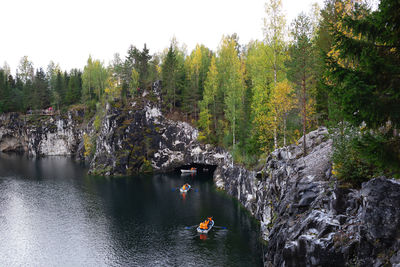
(283, 100)
(196, 66)
(275, 32)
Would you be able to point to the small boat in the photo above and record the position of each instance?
(210, 225)
(192, 170)
(185, 188)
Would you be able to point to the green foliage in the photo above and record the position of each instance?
(94, 79)
(173, 76)
(97, 122)
(364, 66)
(380, 150)
(348, 167)
(196, 67)
(360, 155)
(231, 79)
(146, 166)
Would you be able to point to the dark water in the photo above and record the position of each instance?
(53, 214)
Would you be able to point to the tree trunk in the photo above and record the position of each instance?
(234, 120)
(275, 133)
(215, 117)
(303, 85)
(284, 130)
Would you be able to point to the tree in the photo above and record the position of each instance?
(208, 106)
(169, 78)
(41, 95)
(173, 75)
(135, 81)
(231, 83)
(283, 100)
(301, 66)
(139, 61)
(274, 31)
(366, 64)
(144, 67)
(94, 79)
(74, 89)
(261, 79)
(196, 66)
(25, 70)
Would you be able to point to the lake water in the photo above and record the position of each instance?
(53, 214)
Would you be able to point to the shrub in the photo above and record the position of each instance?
(146, 166)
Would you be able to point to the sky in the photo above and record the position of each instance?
(66, 32)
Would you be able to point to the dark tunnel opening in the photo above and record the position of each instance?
(200, 168)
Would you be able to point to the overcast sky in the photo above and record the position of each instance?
(68, 31)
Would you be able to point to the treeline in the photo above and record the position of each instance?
(335, 66)
(33, 90)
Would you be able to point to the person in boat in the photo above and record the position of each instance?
(204, 225)
(185, 186)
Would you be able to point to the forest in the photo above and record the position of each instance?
(337, 66)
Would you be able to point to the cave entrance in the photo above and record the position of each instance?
(205, 169)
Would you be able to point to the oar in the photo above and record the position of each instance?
(190, 227)
(220, 227)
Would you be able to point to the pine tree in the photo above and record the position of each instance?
(169, 79)
(301, 66)
(364, 70)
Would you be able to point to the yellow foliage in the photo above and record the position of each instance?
(88, 145)
(344, 9)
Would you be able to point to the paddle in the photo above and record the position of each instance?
(190, 227)
(220, 227)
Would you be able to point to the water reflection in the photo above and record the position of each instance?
(53, 214)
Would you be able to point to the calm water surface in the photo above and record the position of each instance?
(53, 214)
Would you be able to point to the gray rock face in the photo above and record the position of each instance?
(307, 219)
(37, 136)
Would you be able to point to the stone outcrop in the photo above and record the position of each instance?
(305, 215)
(140, 138)
(40, 135)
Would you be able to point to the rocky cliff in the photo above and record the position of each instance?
(306, 217)
(41, 135)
